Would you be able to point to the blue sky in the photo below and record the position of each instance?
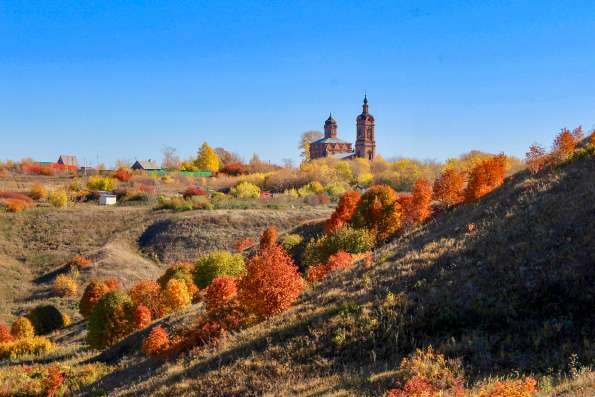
(120, 79)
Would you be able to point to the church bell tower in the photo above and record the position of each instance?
(365, 144)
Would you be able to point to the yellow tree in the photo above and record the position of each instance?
(207, 159)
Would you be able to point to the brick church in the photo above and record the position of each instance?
(331, 146)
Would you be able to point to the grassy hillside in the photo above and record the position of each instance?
(505, 284)
(129, 243)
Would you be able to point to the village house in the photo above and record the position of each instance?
(145, 165)
(68, 161)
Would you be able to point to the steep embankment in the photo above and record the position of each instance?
(186, 238)
(506, 283)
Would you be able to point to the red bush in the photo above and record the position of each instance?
(157, 342)
(193, 191)
(485, 177)
(449, 188)
(564, 144)
(316, 273)
(5, 335)
(343, 213)
(272, 283)
(339, 261)
(234, 169)
(421, 201)
(221, 290)
(142, 316)
(268, 238)
(123, 175)
(147, 293)
(53, 381)
(93, 293)
(37, 169)
(81, 262)
(536, 158)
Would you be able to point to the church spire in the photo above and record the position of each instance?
(365, 106)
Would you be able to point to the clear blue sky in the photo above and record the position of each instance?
(120, 79)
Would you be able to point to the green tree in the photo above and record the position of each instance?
(207, 159)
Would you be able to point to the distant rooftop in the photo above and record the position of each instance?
(330, 140)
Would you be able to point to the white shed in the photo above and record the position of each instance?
(107, 199)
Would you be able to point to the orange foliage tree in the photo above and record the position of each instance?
(449, 188)
(421, 201)
(536, 158)
(378, 211)
(272, 283)
(268, 238)
(592, 138)
(93, 293)
(221, 290)
(343, 213)
(142, 317)
(147, 293)
(157, 342)
(485, 177)
(564, 144)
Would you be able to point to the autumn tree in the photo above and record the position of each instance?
(142, 317)
(268, 239)
(157, 342)
(343, 213)
(220, 291)
(146, 293)
(378, 211)
(207, 159)
(272, 283)
(421, 201)
(449, 188)
(485, 177)
(304, 145)
(93, 293)
(536, 158)
(564, 144)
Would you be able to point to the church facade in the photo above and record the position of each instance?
(331, 146)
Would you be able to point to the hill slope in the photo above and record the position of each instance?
(504, 284)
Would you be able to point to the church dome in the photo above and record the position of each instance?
(365, 116)
(330, 120)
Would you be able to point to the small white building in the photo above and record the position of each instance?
(107, 199)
